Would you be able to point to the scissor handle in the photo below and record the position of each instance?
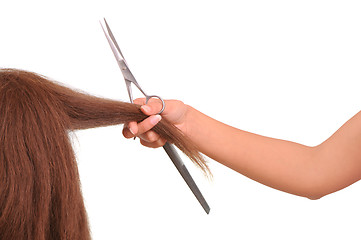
(148, 97)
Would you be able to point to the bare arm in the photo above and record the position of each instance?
(290, 167)
(294, 168)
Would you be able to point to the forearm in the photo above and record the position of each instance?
(284, 165)
(290, 167)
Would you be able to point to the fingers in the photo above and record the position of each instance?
(143, 131)
(153, 106)
(127, 132)
(159, 143)
(139, 101)
(149, 138)
(134, 129)
(147, 124)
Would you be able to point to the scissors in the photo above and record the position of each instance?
(169, 148)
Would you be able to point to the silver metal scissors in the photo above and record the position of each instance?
(169, 148)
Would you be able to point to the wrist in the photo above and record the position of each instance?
(188, 121)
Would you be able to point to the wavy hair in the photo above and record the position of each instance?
(40, 194)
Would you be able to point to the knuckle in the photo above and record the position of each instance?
(149, 137)
(162, 141)
(139, 101)
(146, 144)
(152, 136)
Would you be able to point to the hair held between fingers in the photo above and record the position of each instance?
(40, 195)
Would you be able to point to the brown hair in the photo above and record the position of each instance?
(40, 195)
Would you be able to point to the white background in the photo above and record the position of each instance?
(284, 69)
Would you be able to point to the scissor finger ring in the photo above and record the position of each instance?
(147, 98)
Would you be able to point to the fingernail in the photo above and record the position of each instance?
(145, 108)
(155, 119)
(130, 130)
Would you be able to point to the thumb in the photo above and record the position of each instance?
(153, 107)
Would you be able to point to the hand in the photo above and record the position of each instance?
(175, 112)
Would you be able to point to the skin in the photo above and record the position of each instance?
(311, 172)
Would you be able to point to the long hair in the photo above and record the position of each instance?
(40, 195)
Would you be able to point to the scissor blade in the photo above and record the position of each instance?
(113, 38)
(173, 155)
(112, 42)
